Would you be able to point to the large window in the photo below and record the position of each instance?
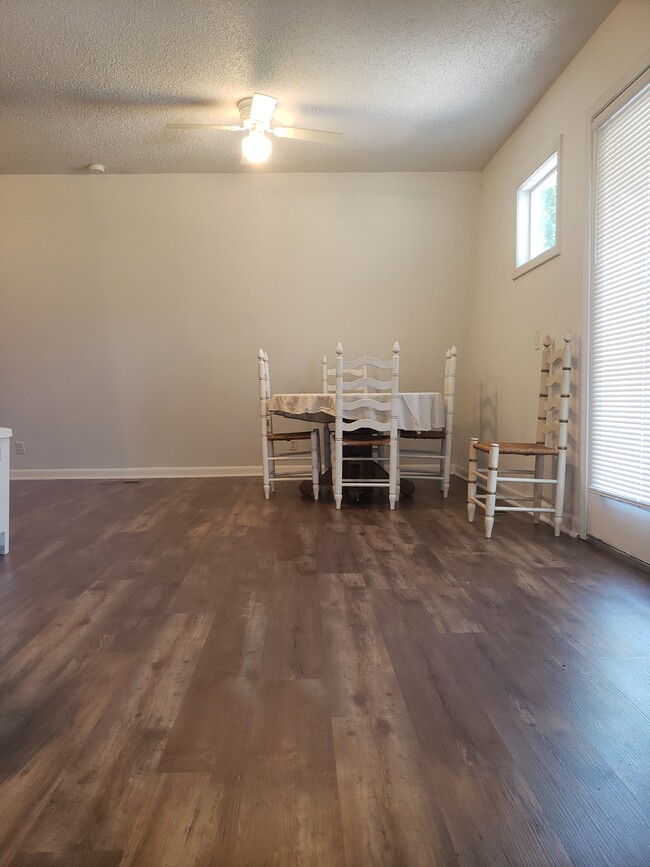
(620, 303)
(538, 214)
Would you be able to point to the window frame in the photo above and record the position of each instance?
(527, 184)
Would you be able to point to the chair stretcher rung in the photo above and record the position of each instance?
(527, 481)
(520, 509)
(290, 477)
(480, 501)
(373, 460)
(522, 479)
(408, 475)
(292, 457)
(429, 456)
(347, 483)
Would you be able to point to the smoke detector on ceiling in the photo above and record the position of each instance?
(96, 169)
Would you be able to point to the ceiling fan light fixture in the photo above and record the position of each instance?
(256, 119)
(256, 147)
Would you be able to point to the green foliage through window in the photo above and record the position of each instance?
(549, 203)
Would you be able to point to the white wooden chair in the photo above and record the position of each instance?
(354, 396)
(552, 436)
(433, 462)
(270, 460)
(329, 387)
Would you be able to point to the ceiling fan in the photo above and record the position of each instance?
(256, 114)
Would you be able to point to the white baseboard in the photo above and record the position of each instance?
(137, 473)
(461, 472)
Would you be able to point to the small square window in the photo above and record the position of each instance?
(538, 213)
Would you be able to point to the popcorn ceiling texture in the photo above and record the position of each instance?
(428, 85)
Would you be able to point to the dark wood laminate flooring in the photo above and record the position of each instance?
(190, 675)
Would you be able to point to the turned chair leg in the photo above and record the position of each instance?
(471, 480)
(490, 498)
(265, 468)
(315, 462)
(392, 475)
(272, 466)
(559, 490)
(446, 465)
(537, 488)
(398, 490)
(338, 473)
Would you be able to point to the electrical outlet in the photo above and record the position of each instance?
(20, 448)
(293, 446)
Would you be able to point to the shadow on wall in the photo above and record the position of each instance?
(488, 413)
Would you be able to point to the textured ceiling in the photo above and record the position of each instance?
(414, 86)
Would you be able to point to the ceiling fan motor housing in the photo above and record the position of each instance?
(244, 106)
(248, 122)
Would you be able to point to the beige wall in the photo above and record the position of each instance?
(133, 306)
(499, 394)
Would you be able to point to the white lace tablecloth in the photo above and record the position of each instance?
(417, 411)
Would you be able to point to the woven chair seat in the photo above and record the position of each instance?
(422, 435)
(352, 442)
(518, 448)
(290, 435)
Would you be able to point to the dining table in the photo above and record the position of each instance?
(417, 411)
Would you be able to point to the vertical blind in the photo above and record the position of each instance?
(620, 325)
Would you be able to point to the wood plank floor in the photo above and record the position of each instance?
(190, 675)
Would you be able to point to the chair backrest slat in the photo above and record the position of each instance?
(384, 412)
(543, 389)
(366, 382)
(369, 361)
(555, 392)
(367, 402)
(372, 423)
(355, 375)
(267, 375)
(450, 388)
(265, 390)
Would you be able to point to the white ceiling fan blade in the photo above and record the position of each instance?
(315, 135)
(212, 126)
(262, 108)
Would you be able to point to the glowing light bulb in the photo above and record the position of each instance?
(256, 147)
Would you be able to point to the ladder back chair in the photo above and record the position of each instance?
(272, 462)
(433, 462)
(329, 387)
(370, 413)
(552, 438)
(352, 371)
